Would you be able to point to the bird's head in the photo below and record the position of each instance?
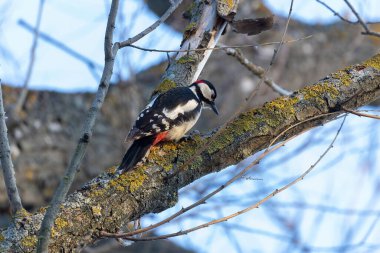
(206, 92)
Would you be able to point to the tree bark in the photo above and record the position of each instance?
(108, 201)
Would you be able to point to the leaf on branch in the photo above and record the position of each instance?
(252, 26)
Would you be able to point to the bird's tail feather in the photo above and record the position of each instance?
(136, 153)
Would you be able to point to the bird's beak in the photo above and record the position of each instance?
(214, 108)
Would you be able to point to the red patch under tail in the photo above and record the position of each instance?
(160, 137)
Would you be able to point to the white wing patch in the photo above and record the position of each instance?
(173, 114)
(166, 124)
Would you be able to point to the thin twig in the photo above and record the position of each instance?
(52, 211)
(24, 91)
(362, 114)
(360, 20)
(256, 205)
(283, 35)
(218, 47)
(163, 18)
(336, 13)
(275, 52)
(256, 70)
(343, 18)
(6, 162)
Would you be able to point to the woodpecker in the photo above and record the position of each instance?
(168, 117)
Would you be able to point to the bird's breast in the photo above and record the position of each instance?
(180, 130)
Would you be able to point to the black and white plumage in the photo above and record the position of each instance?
(168, 117)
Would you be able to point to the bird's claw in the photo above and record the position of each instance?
(190, 136)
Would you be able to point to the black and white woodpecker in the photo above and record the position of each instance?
(168, 117)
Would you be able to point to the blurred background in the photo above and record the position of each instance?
(334, 209)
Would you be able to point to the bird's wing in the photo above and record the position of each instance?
(164, 112)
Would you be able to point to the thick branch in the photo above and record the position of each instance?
(108, 201)
(203, 31)
(6, 162)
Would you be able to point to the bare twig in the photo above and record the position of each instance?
(6, 162)
(276, 51)
(362, 114)
(256, 205)
(52, 211)
(343, 18)
(24, 91)
(360, 20)
(336, 13)
(163, 18)
(256, 70)
(283, 35)
(217, 47)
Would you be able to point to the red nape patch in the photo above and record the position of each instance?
(160, 137)
(199, 81)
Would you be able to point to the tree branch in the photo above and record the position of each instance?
(203, 31)
(256, 70)
(360, 114)
(24, 91)
(163, 18)
(6, 162)
(76, 159)
(218, 47)
(108, 201)
(360, 20)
